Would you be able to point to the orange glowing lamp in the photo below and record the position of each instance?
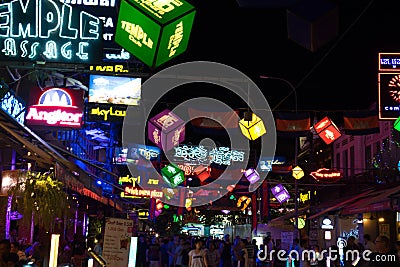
(327, 130)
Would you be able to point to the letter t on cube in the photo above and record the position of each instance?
(166, 130)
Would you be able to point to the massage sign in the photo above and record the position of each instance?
(58, 107)
(49, 31)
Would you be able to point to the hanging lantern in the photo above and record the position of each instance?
(327, 130)
(173, 175)
(253, 128)
(252, 175)
(166, 130)
(297, 172)
(396, 124)
(243, 202)
(202, 172)
(280, 193)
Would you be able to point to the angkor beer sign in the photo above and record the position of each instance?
(55, 107)
(51, 31)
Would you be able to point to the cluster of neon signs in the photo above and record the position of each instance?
(13, 105)
(205, 155)
(45, 30)
(55, 107)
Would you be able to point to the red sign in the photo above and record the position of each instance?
(327, 130)
(58, 107)
(326, 175)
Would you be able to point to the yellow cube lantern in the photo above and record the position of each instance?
(297, 172)
(252, 129)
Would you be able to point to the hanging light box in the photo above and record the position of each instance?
(166, 130)
(396, 124)
(297, 173)
(327, 130)
(202, 172)
(252, 175)
(280, 193)
(172, 175)
(253, 128)
(154, 31)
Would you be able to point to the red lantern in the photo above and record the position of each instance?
(202, 172)
(327, 130)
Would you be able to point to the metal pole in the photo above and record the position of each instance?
(296, 189)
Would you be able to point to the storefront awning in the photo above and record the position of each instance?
(375, 201)
(338, 204)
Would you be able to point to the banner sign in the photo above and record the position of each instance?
(389, 62)
(45, 30)
(58, 107)
(117, 236)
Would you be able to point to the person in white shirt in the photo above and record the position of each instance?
(197, 256)
(368, 244)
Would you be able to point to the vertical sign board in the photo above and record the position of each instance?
(50, 31)
(389, 86)
(154, 31)
(117, 238)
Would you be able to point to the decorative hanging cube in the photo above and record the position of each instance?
(396, 124)
(297, 172)
(280, 193)
(327, 130)
(166, 130)
(154, 31)
(202, 172)
(173, 175)
(313, 23)
(252, 129)
(252, 175)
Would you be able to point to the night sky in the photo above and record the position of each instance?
(340, 75)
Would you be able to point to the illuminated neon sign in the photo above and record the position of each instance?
(106, 113)
(117, 68)
(206, 155)
(57, 107)
(326, 175)
(46, 30)
(154, 31)
(131, 192)
(14, 106)
(389, 61)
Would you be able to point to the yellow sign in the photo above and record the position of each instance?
(153, 181)
(108, 68)
(297, 172)
(305, 197)
(107, 112)
(128, 179)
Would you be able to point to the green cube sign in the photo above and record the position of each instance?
(154, 31)
(172, 175)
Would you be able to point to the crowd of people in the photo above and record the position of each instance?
(14, 255)
(181, 251)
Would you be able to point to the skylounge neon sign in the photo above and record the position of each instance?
(47, 30)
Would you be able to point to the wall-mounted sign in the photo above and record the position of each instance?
(326, 224)
(154, 31)
(105, 112)
(130, 180)
(59, 107)
(201, 155)
(131, 192)
(265, 163)
(52, 31)
(389, 62)
(143, 214)
(109, 68)
(325, 175)
(14, 106)
(389, 95)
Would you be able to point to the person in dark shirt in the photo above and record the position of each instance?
(225, 252)
(141, 252)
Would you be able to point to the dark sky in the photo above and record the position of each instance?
(340, 75)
